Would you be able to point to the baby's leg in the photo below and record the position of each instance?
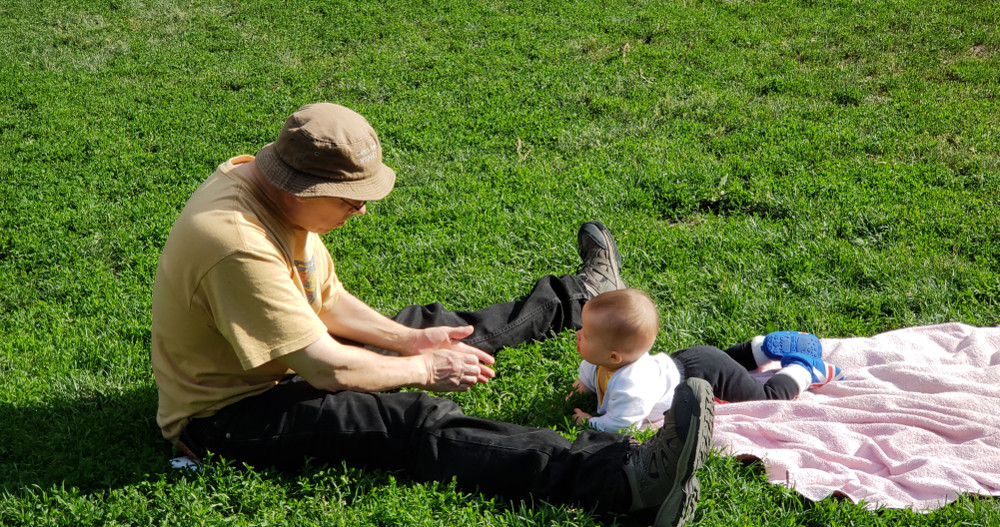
(743, 353)
(774, 346)
(800, 355)
(730, 379)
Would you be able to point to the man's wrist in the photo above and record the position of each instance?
(408, 342)
(420, 371)
(401, 341)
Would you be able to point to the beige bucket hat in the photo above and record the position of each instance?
(327, 150)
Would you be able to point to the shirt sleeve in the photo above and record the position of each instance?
(256, 306)
(587, 375)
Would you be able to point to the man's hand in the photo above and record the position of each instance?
(445, 338)
(354, 320)
(330, 365)
(452, 371)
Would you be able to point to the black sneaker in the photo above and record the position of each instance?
(601, 269)
(661, 471)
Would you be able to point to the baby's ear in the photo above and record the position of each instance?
(616, 357)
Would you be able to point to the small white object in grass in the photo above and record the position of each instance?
(186, 463)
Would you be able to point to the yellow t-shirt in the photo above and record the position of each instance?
(236, 287)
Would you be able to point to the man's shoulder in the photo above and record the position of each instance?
(220, 222)
(222, 213)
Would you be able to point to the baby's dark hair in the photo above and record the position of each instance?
(626, 316)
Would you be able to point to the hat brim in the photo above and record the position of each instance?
(303, 185)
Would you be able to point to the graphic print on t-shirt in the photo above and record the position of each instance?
(307, 270)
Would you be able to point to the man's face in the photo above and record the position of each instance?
(323, 214)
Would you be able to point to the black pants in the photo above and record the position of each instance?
(729, 374)
(429, 438)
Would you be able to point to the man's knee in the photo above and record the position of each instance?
(427, 411)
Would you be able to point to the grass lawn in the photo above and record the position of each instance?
(824, 165)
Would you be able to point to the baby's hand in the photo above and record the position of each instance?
(578, 387)
(581, 416)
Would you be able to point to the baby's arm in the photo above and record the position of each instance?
(587, 371)
(578, 414)
(584, 382)
(627, 407)
(578, 387)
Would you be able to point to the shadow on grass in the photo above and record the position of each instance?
(90, 443)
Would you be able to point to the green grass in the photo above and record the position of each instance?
(823, 165)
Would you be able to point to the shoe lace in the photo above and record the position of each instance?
(597, 266)
(644, 459)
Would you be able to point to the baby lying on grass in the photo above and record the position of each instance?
(635, 387)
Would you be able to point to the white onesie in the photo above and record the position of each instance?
(637, 394)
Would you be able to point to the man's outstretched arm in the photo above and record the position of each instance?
(352, 319)
(330, 365)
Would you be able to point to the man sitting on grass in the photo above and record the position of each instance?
(259, 351)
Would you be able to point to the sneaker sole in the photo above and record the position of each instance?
(682, 501)
(781, 343)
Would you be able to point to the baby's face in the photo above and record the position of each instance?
(590, 344)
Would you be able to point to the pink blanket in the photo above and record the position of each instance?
(915, 423)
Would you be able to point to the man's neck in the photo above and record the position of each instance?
(280, 201)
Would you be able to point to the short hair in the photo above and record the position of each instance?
(627, 317)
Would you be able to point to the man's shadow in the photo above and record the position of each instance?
(90, 442)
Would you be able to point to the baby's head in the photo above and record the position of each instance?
(618, 328)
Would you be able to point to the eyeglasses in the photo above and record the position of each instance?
(355, 206)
